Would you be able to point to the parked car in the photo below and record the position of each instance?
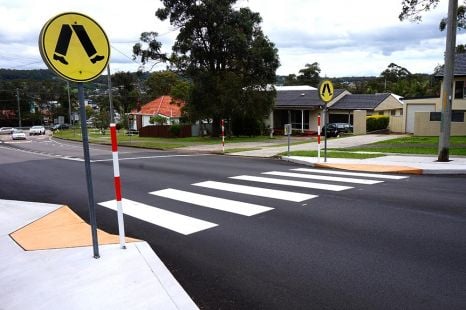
(6, 130)
(59, 127)
(37, 130)
(18, 135)
(336, 129)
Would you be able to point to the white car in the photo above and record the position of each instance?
(18, 135)
(6, 130)
(37, 130)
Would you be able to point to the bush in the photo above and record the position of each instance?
(175, 130)
(246, 126)
(377, 122)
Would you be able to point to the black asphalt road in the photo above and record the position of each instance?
(400, 244)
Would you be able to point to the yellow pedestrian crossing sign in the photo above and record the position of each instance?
(74, 46)
(326, 91)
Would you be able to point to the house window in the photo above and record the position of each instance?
(459, 90)
(393, 112)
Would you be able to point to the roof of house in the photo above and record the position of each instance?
(459, 68)
(294, 87)
(359, 102)
(301, 98)
(164, 105)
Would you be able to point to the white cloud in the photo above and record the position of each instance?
(359, 37)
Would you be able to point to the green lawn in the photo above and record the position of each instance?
(413, 145)
(155, 143)
(333, 154)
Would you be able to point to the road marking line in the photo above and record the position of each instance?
(322, 177)
(322, 186)
(182, 224)
(256, 191)
(222, 204)
(355, 174)
(149, 157)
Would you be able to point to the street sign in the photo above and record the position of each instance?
(326, 91)
(74, 46)
(287, 129)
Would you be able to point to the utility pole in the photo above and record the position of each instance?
(110, 94)
(447, 98)
(19, 108)
(69, 102)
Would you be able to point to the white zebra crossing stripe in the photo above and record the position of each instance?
(256, 191)
(354, 174)
(322, 177)
(173, 221)
(328, 187)
(226, 205)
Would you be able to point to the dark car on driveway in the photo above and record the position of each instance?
(59, 127)
(336, 129)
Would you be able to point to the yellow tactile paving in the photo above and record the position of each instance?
(372, 168)
(61, 228)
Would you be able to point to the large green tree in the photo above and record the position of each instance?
(310, 75)
(127, 95)
(394, 72)
(225, 54)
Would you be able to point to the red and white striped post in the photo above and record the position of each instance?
(223, 135)
(318, 138)
(116, 174)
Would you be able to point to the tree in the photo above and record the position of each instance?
(164, 83)
(225, 54)
(310, 75)
(291, 80)
(127, 96)
(151, 51)
(394, 73)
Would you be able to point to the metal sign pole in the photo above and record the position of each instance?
(87, 163)
(325, 132)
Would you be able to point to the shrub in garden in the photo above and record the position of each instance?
(377, 122)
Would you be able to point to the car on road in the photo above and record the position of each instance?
(18, 135)
(336, 129)
(6, 130)
(37, 130)
(59, 127)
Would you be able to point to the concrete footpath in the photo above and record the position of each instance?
(411, 164)
(47, 262)
(393, 164)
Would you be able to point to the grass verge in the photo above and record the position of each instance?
(333, 154)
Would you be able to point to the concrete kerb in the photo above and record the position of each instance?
(400, 164)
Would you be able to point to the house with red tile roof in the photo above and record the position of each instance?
(164, 106)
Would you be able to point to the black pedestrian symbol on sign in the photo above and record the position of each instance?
(326, 88)
(64, 41)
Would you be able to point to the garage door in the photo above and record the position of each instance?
(412, 109)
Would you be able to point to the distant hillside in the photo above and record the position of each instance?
(36, 75)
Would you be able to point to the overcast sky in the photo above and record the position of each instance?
(347, 38)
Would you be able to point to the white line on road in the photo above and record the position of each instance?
(322, 186)
(256, 191)
(354, 174)
(182, 224)
(149, 157)
(227, 205)
(322, 177)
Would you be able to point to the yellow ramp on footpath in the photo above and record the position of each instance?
(372, 168)
(61, 228)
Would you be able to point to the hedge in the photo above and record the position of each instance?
(377, 122)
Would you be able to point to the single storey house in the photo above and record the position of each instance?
(164, 106)
(300, 107)
(422, 115)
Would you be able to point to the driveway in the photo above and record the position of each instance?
(272, 149)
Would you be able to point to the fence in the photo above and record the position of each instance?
(165, 131)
